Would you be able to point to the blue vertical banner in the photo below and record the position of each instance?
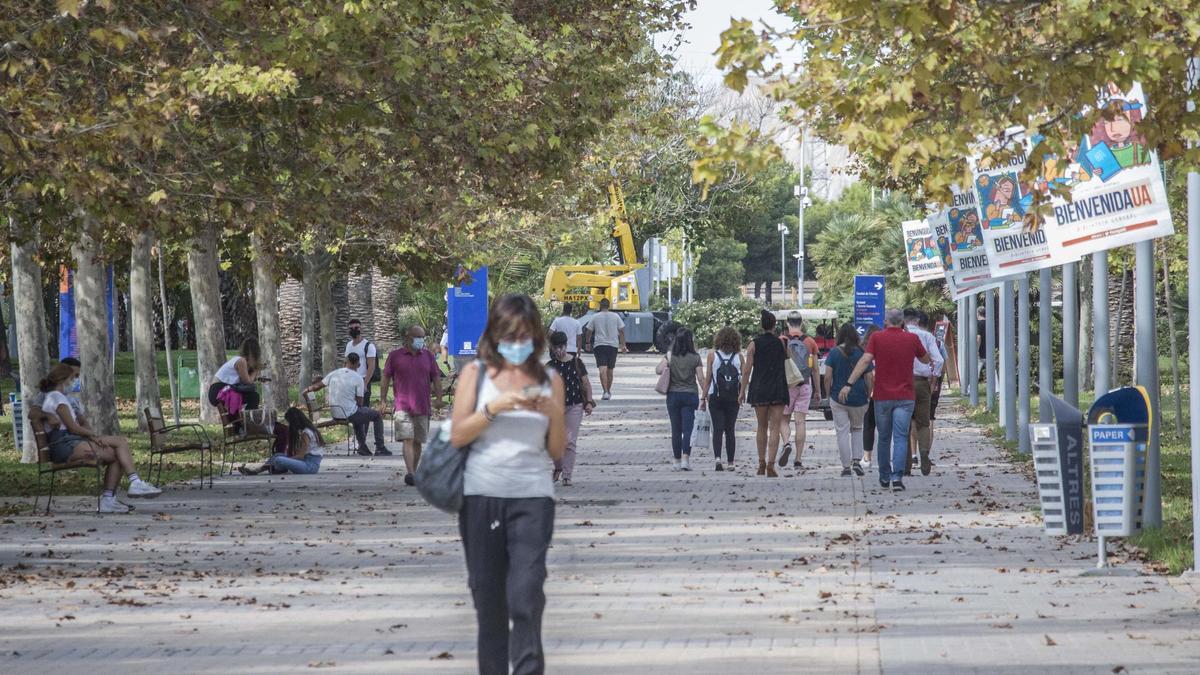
(68, 344)
(467, 310)
(68, 338)
(869, 301)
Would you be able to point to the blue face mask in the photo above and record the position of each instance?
(418, 344)
(516, 353)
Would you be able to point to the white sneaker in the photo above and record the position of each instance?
(675, 464)
(111, 505)
(606, 396)
(686, 464)
(866, 464)
(141, 489)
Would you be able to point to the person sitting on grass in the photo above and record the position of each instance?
(305, 444)
(71, 441)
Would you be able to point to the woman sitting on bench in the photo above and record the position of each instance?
(70, 441)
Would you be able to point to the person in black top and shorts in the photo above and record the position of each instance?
(766, 381)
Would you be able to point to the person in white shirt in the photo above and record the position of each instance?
(345, 398)
(925, 375)
(70, 441)
(569, 326)
(605, 335)
(368, 358)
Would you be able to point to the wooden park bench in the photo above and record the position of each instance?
(176, 438)
(46, 467)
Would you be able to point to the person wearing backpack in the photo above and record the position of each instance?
(802, 382)
(368, 360)
(848, 416)
(723, 384)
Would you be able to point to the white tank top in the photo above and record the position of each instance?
(509, 458)
(228, 373)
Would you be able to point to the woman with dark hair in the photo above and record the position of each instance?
(869, 419)
(516, 431)
(240, 373)
(577, 390)
(683, 394)
(766, 381)
(848, 415)
(304, 443)
(723, 385)
(71, 441)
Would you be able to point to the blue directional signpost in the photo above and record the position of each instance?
(868, 302)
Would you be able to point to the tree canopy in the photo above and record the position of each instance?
(913, 87)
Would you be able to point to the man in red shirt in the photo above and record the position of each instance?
(893, 350)
(411, 370)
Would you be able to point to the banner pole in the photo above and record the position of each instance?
(1045, 332)
(989, 345)
(1008, 362)
(961, 346)
(1070, 344)
(972, 353)
(1146, 365)
(1193, 254)
(1024, 365)
(1100, 327)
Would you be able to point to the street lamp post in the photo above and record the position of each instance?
(783, 233)
(801, 192)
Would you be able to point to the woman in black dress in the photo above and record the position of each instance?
(767, 383)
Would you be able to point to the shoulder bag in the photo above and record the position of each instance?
(439, 475)
(664, 378)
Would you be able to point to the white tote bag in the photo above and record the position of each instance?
(702, 431)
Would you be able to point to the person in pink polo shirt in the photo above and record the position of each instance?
(412, 371)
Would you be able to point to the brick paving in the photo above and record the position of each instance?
(700, 572)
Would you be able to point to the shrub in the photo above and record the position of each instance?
(706, 317)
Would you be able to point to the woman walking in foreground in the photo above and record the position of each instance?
(516, 431)
(768, 391)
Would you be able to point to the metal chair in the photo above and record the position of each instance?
(45, 466)
(175, 438)
(232, 438)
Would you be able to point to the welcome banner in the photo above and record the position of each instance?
(967, 251)
(921, 251)
(1014, 240)
(1116, 186)
(939, 223)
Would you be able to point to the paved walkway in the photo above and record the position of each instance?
(699, 572)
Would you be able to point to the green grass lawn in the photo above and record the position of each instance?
(1170, 544)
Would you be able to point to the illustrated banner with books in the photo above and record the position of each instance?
(939, 223)
(1117, 192)
(1015, 242)
(924, 259)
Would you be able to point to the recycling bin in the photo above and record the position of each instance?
(189, 380)
(1047, 465)
(1118, 463)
